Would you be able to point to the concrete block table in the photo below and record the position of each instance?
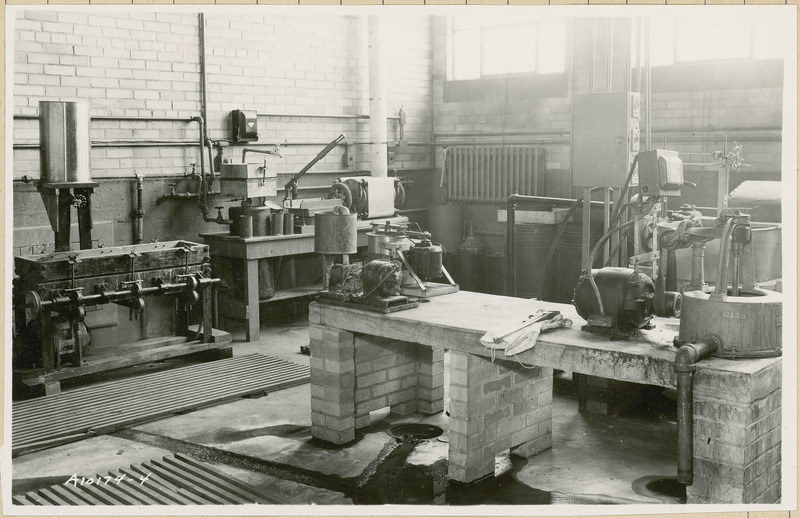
(362, 361)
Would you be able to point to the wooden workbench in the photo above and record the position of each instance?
(250, 250)
(737, 403)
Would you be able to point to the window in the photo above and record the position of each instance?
(485, 48)
(697, 39)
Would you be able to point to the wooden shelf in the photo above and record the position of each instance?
(293, 293)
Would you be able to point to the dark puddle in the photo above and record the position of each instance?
(666, 489)
(392, 480)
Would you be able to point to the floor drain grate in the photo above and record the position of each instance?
(408, 432)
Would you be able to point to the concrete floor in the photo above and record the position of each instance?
(266, 441)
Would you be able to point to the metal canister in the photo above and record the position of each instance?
(64, 141)
(276, 223)
(245, 225)
(288, 223)
(260, 225)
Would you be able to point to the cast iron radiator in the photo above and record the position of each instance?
(493, 173)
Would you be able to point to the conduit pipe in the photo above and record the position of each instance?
(139, 210)
(684, 366)
(379, 162)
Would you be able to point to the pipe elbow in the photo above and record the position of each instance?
(689, 354)
(685, 358)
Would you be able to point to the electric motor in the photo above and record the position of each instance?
(627, 297)
(381, 278)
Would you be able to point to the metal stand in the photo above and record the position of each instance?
(59, 198)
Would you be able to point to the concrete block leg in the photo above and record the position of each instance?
(737, 436)
(332, 384)
(430, 379)
(495, 406)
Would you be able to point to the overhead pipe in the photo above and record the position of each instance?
(379, 161)
(684, 366)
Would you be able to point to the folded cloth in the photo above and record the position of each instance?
(523, 336)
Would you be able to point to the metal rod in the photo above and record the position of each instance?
(586, 230)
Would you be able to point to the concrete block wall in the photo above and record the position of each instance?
(737, 438)
(494, 407)
(146, 64)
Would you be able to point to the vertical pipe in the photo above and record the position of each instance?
(649, 89)
(377, 99)
(511, 246)
(585, 234)
(684, 366)
(139, 210)
(610, 55)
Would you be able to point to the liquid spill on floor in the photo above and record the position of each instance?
(666, 489)
(395, 480)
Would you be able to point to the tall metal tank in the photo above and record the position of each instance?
(335, 234)
(64, 142)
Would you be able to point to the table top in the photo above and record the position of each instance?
(457, 321)
(261, 247)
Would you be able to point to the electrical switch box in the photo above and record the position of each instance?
(660, 173)
(245, 125)
(605, 138)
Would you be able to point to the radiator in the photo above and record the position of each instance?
(493, 173)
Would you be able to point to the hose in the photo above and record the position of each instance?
(592, 255)
(561, 227)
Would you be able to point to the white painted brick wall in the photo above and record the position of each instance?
(147, 64)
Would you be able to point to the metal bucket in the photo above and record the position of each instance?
(64, 142)
(533, 243)
(335, 234)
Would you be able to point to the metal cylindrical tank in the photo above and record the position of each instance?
(566, 263)
(64, 141)
(748, 325)
(532, 245)
(261, 223)
(383, 244)
(445, 226)
(335, 234)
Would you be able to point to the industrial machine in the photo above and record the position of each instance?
(735, 320)
(369, 197)
(419, 259)
(617, 300)
(54, 292)
(57, 296)
(402, 264)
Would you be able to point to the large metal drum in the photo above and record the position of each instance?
(748, 325)
(566, 264)
(445, 225)
(64, 141)
(533, 243)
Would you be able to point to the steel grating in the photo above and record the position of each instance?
(174, 480)
(100, 409)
